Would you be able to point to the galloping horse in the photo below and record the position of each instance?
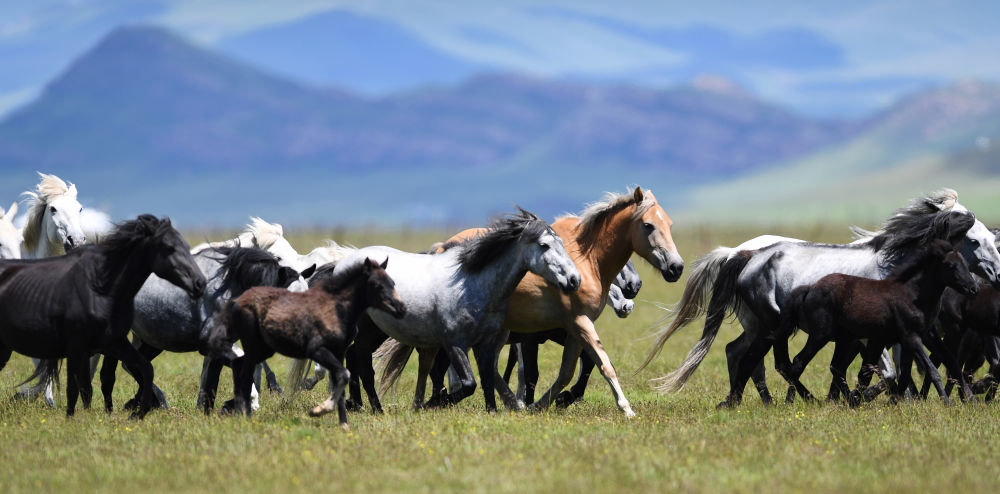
(81, 303)
(458, 299)
(318, 324)
(600, 243)
(758, 288)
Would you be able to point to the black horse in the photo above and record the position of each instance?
(75, 305)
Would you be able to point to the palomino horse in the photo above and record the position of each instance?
(458, 299)
(318, 324)
(901, 308)
(758, 288)
(53, 226)
(601, 242)
(81, 303)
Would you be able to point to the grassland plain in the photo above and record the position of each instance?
(678, 442)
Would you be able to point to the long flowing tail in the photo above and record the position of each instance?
(392, 357)
(724, 299)
(47, 371)
(297, 375)
(693, 302)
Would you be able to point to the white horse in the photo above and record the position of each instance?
(10, 235)
(52, 227)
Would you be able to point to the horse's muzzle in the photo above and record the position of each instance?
(197, 288)
(673, 272)
(572, 284)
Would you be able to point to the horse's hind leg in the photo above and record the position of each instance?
(425, 360)
(937, 347)
(512, 361)
(466, 380)
(529, 355)
(353, 400)
(915, 345)
(148, 352)
(749, 361)
(575, 394)
(339, 376)
(72, 387)
(439, 370)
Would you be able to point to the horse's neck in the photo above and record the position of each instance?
(124, 277)
(928, 294)
(497, 281)
(611, 247)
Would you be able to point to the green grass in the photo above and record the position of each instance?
(678, 442)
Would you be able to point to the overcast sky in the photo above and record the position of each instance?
(843, 58)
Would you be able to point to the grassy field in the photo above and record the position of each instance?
(678, 442)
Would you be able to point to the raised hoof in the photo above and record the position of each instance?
(275, 388)
(309, 383)
(354, 406)
(131, 405)
(322, 409)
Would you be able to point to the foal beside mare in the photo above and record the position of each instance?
(899, 309)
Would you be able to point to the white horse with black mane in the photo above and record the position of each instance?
(754, 285)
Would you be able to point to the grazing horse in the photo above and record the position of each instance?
(756, 287)
(317, 324)
(81, 303)
(167, 319)
(53, 227)
(898, 309)
(600, 241)
(10, 235)
(458, 299)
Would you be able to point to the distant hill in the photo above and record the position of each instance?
(946, 137)
(146, 121)
(148, 117)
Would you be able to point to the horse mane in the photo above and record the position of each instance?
(325, 277)
(258, 233)
(478, 252)
(48, 189)
(917, 224)
(246, 267)
(597, 214)
(130, 233)
(332, 251)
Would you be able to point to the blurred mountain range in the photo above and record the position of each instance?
(147, 121)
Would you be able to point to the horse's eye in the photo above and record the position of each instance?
(648, 226)
(974, 241)
(52, 210)
(544, 247)
(81, 209)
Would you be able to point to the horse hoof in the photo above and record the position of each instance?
(137, 415)
(354, 406)
(629, 414)
(344, 426)
(322, 409)
(131, 405)
(565, 399)
(309, 383)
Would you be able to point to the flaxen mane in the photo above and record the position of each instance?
(48, 189)
(597, 214)
(478, 252)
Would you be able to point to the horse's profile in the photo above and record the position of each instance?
(81, 303)
(317, 324)
(898, 309)
(755, 287)
(166, 319)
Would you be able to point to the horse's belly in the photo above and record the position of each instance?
(37, 342)
(167, 330)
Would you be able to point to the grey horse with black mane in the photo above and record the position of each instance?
(458, 299)
(755, 286)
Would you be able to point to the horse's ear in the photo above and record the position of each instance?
(638, 195)
(370, 264)
(385, 263)
(12, 212)
(149, 222)
(71, 190)
(286, 276)
(308, 272)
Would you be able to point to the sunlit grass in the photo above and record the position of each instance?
(679, 442)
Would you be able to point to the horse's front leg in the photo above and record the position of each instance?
(108, 381)
(466, 385)
(339, 376)
(915, 345)
(583, 327)
(130, 357)
(937, 347)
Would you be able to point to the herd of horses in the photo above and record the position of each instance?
(927, 280)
